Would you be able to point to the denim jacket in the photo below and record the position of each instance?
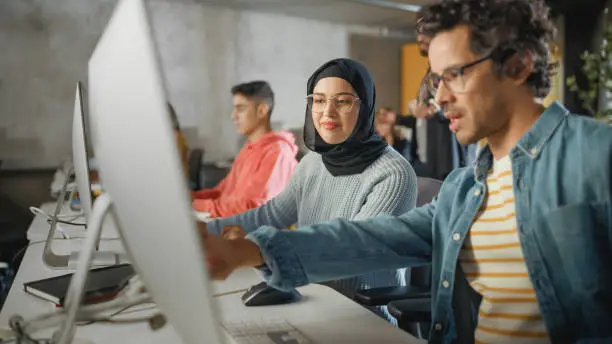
(562, 172)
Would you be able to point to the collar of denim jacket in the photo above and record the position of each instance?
(531, 144)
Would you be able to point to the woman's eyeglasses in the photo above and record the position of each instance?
(342, 102)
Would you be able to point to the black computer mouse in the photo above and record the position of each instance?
(263, 295)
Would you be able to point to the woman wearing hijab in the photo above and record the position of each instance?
(351, 172)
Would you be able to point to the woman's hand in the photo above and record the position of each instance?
(223, 256)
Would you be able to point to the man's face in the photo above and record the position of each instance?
(478, 108)
(387, 117)
(247, 114)
(385, 121)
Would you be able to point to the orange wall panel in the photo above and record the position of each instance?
(414, 67)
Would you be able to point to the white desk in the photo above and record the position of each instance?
(323, 315)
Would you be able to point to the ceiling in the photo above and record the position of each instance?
(389, 17)
(397, 16)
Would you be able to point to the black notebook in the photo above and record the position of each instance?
(102, 284)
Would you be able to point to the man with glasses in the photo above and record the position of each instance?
(530, 225)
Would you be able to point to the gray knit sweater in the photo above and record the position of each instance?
(313, 195)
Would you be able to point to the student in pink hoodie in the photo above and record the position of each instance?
(264, 165)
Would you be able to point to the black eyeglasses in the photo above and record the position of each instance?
(453, 77)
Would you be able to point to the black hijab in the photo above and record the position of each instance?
(364, 145)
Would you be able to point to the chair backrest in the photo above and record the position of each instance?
(427, 188)
(195, 163)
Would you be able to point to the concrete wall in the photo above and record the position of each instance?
(382, 56)
(45, 46)
(204, 50)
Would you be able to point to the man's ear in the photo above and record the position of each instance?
(519, 67)
(262, 110)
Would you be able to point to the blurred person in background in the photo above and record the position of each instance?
(398, 132)
(438, 146)
(265, 163)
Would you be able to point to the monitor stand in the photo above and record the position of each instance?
(69, 261)
(73, 310)
(65, 334)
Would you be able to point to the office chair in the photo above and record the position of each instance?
(466, 302)
(411, 305)
(195, 164)
(418, 287)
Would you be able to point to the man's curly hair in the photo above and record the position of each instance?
(502, 28)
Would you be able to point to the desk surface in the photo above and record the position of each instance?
(323, 315)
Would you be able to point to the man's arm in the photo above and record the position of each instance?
(275, 169)
(206, 194)
(342, 248)
(280, 212)
(211, 193)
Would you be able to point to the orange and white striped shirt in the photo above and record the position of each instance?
(493, 262)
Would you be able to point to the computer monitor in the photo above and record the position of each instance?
(80, 153)
(80, 156)
(140, 169)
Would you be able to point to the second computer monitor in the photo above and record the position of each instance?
(80, 153)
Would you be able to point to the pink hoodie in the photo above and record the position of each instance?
(260, 172)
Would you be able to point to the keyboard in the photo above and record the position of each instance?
(264, 332)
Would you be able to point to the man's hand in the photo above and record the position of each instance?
(233, 232)
(205, 194)
(223, 256)
(420, 110)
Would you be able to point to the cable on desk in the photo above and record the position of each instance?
(37, 211)
(31, 341)
(21, 336)
(230, 292)
(22, 329)
(125, 310)
(85, 312)
(22, 250)
(70, 217)
(129, 300)
(68, 223)
(27, 341)
(65, 217)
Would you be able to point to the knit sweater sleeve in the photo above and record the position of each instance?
(280, 212)
(393, 192)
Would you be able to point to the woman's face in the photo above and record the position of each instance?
(335, 109)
